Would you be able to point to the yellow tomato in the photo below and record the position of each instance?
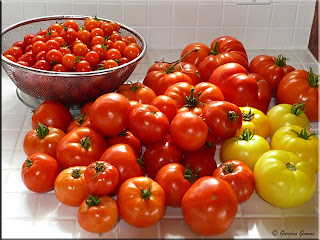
(296, 139)
(286, 114)
(247, 148)
(283, 179)
(254, 120)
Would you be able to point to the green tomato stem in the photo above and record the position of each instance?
(76, 173)
(281, 61)
(313, 79)
(85, 142)
(304, 134)
(146, 193)
(99, 168)
(247, 116)
(214, 49)
(228, 167)
(246, 135)
(189, 174)
(291, 166)
(29, 163)
(92, 201)
(42, 130)
(297, 108)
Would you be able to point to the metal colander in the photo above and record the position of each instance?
(70, 88)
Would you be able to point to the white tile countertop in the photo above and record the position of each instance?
(30, 215)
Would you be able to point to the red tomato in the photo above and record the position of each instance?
(80, 147)
(39, 172)
(59, 68)
(131, 52)
(70, 186)
(91, 23)
(71, 24)
(109, 114)
(141, 201)
(166, 105)
(52, 114)
(191, 70)
(202, 161)
(188, 131)
(223, 119)
(43, 139)
(84, 36)
(239, 176)
(101, 177)
(98, 214)
(69, 34)
(82, 120)
(109, 64)
(42, 65)
(54, 55)
(126, 137)
(272, 69)
(15, 51)
(83, 66)
(55, 27)
(106, 27)
(80, 49)
(28, 57)
(148, 124)
(159, 154)
(202, 51)
(209, 206)
(20, 44)
(85, 108)
(301, 86)
(137, 92)
(240, 88)
(175, 180)
(124, 158)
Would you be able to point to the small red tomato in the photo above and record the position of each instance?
(54, 56)
(131, 52)
(42, 65)
(83, 66)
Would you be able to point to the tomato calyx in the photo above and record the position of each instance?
(134, 87)
(281, 61)
(303, 134)
(208, 144)
(78, 58)
(80, 118)
(313, 79)
(141, 163)
(29, 163)
(96, 18)
(233, 116)
(214, 51)
(92, 201)
(228, 168)
(189, 174)
(76, 173)
(85, 142)
(297, 108)
(146, 193)
(124, 133)
(191, 101)
(100, 66)
(291, 166)
(42, 130)
(173, 64)
(99, 168)
(247, 116)
(246, 135)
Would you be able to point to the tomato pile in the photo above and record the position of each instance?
(69, 47)
(152, 144)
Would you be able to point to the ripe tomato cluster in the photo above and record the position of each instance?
(153, 145)
(65, 47)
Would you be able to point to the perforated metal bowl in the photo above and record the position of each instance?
(70, 88)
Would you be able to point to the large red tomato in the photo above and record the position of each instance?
(166, 105)
(80, 147)
(39, 172)
(209, 206)
(141, 201)
(224, 50)
(301, 86)
(197, 56)
(81, 120)
(148, 124)
(223, 119)
(109, 114)
(137, 92)
(272, 69)
(43, 139)
(241, 88)
(128, 138)
(191, 70)
(239, 176)
(52, 114)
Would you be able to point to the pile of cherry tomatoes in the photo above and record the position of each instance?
(66, 47)
(153, 143)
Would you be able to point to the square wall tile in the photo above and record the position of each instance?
(310, 208)
(53, 228)
(315, 68)
(135, 14)
(32, 9)
(59, 7)
(18, 158)
(182, 37)
(6, 158)
(236, 32)
(259, 15)
(111, 11)
(79, 232)
(173, 212)
(4, 175)
(256, 38)
(301, 37)
(13, 105)
(284, 15)
(185, 14)
(127, 231)
(303, 227)
(10, 226)
(266, 227)
(305, 14)
(9, 138)
(210, 15)
(159, 38)
(207, 35)
(238, 13)
(280, 37)
(7, 9)
(87, 8)
(160, 15)
(176, 228)
(12, 121)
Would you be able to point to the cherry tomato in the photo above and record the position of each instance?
(106, 27)
(84, 36)
(115, 26)
(131, 52)
(91, 23)
(28, 57)
(120, 45)
(83, 66)
(55, 27)
(54, 55)
(101, 50)
(71, 24)
(109, 64)
(59, 68)
(113, 53)
(10, 57)
(38, 46)
(15, 51)
(52, 44)
(69, 34)
(28, 38)
(42, 65)
(80, 49)
(92, 57)
(20, 44)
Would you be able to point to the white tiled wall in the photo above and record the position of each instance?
(172, 24)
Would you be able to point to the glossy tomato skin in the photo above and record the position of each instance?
(109, 114)
(80, 147)
(70, 186)
(99, 218)
(239, 176)
(296, 87)
(202, 161)
(195, 57)
(81, 120)
(126, 137)
(136, 208)
(101, 177)
(137, 92)
(166, 105)
(223, 119)
(188, 131)
(209, 206)
(172, 179)
(191, 70)
(124, 158)
(148, 124)
(52, 114)
(39, 172)
(240, 88)
(158, 154)
(270, 69)
(36, 141)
